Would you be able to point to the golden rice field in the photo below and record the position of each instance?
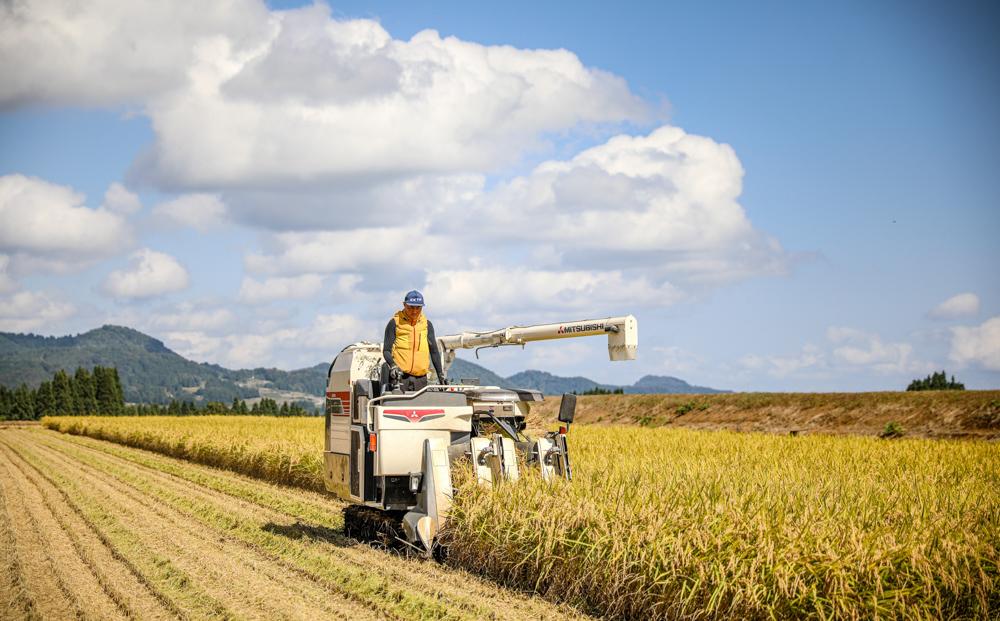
(674, 523)
(281, 450)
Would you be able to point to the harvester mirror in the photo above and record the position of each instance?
(567, 408)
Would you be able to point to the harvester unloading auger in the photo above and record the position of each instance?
(390, 452)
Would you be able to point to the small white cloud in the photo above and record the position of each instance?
(149, 274)
(861, 349)
(265, 344)
(202, 212)
(45, 227)
(955, 307)
(119, 200)
(187, 316)
(29, 310)
(841, 334)
(978, 345)
(330, 333)
(272, 289)
(329, 252)
(782, 366)
(849, 351)
(471, 291)
(233, 351)
(7, 284)
(675, 359)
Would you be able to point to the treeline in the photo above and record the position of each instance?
(310, 381)
(597, 390)
(84, 392)
(264, 407)
(936, 381)
(99, 393)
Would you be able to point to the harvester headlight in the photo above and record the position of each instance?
(415, 480)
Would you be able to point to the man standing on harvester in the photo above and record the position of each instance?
(410, 347)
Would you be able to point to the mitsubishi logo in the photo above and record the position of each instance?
(413, 416)
(589, 327)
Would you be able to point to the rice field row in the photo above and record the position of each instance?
(674, 523)
(94, 530)
(286, 450)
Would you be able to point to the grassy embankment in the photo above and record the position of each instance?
(692, 524)
(960, 413)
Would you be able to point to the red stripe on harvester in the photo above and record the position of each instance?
(345, 400)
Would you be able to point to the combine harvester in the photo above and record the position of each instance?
(390, 453)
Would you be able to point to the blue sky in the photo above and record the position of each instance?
(788, 196)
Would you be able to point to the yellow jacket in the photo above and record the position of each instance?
(410, 351)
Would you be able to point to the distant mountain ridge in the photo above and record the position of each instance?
(152, 373)
(649, 384)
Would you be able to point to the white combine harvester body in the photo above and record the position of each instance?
(390, 452)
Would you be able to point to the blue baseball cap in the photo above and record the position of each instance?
(414, 298)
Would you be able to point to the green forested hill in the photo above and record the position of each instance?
(311, 380)
(149, 371)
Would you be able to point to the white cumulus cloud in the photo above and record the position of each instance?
(957, 306)
(320, 98)
(30, 310)
(979, 345)
(847, 351)
(107, 52)
(370, 161)
(272, 289)
(44, 226)
(191, 317)
(338, 251)
(119, 199)
(202, 212)
(517, 290)
(7, 283)
(263, 345)
(810, 359)
(667, 199)
(239, 94)
(210, 316)
(149, 274)
(662, 209)
(861, 349)
(673, 359)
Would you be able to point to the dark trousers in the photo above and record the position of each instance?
(412, 383)
(409, 383)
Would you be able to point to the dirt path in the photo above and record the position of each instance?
(90, 529)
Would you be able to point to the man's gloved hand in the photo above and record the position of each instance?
(443, 380)
(395, 373)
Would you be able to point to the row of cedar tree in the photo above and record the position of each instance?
(100, 393)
